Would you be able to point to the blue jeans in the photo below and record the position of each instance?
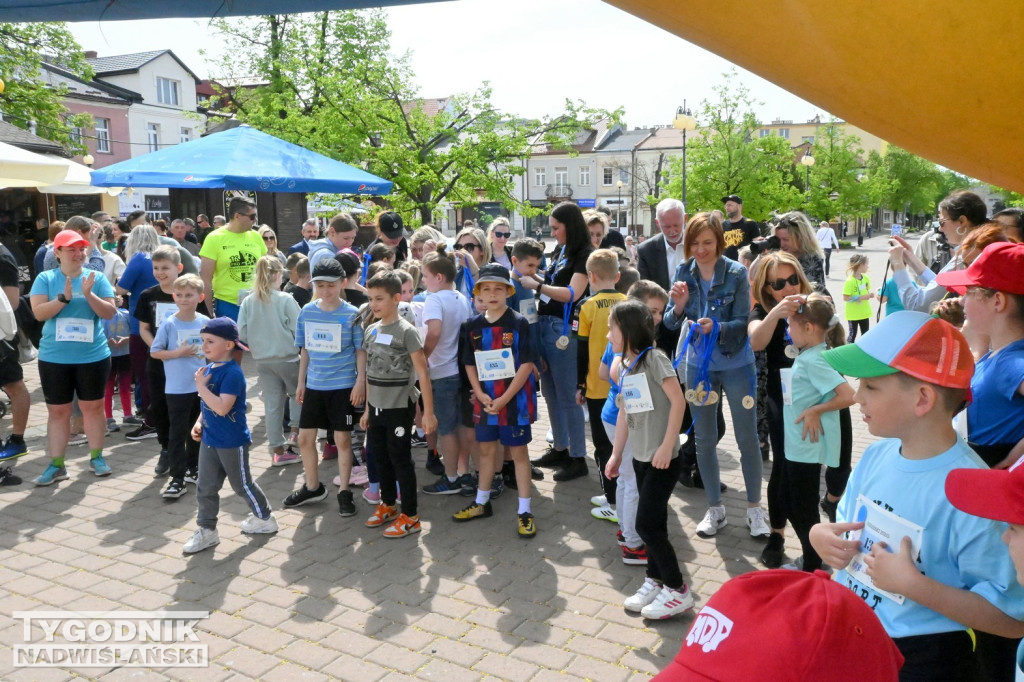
(558, 386)
(738, 383)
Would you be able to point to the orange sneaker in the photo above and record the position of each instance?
(404, 525)
(383, 514)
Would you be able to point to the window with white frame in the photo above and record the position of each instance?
(186, 135)
(584, 176)
(540, 176)
(764, 132)
(102, 134)
(784, 133)
(153, 136)
(623, 175)
(561, 176)
(167, 91)
(807, 138)
(606, 178)
(75, 135)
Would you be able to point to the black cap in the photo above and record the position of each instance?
(349, 262)
(328, 270)
(493, 272)
(391, 225)
(732, 197)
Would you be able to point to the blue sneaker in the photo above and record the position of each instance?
(52, 473)
(443, 486)
(100, 467)
(11, 450)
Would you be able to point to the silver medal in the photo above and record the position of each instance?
(792, 352)
(562, 342)
(691, 396)
(748, 402)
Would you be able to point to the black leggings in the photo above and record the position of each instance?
(853, 325)
(389, 438)
(654, 487)
(942, 656)
(182, 451)
(602, 447)
(801, 482)
(836, 477)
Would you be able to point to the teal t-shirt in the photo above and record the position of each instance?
(75, 336)
(813, 381)
(1020, 663)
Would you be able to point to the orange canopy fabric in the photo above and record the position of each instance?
(943, 79)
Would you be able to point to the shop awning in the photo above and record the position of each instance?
(117, 10)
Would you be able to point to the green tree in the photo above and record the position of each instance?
(913, 183)
(725, 157)
(840, 185)
(326, 81)
(27, 96)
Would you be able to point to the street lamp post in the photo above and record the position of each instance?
(618, 208)
(807, 160)
(684, 121)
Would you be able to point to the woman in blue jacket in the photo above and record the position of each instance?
(712, 295)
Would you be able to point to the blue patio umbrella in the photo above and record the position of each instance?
(240, 158)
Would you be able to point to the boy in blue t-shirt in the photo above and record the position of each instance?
(179, 346)
(331, 382)
(224, 452)
(942, 572)
(499, 359)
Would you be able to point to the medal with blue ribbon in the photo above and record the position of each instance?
(563, 341)
(703, 348)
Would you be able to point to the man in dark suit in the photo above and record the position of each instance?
(310, 231)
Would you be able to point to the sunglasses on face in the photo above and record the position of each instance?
(467, 247)
(269, 238)
(502, 235)
(780, 284)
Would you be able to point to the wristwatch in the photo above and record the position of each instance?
(63, 299)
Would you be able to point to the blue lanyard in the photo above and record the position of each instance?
(467, 275)
(629, 368)
(567, 313)
(704, 353)
(366, 267)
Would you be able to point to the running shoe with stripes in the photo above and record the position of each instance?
(668, 603)
(403, 525)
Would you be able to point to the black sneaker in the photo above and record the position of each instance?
(830, 508)
(175, 489)
(536, 474)
(552, 459)
(576, 467)
(346, 507)
(508, 475)
(434, 464)
(686, 477)
(698, 482)
(7, 477)
(142, 433)
(162, 465)
(306, 496)
(497, 486)
(192, 475)
(416, 442)
(469, 484)
(773, 555)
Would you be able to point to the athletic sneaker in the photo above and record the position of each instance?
(527, 528)
(175, 489)
(417, 441)
(474, 511)
(599, 500)
(403, 525)
(346, 507)
(142, 433)
(359, 476)
(828, 506)
(200, 540)
(382, 515)
(7, 477)
(305, 496)
(774, 553)
(51, 474)
(330, 452)
(634, 557)
(442, 486)
(714, 520)
(434, 463)
(254, 525)
(81, 439)
(112, 426)
(100, 467)
(284, 458)
(162, 464)
(575, 468)
(469, 484)
(11, 450)
(192, 475)
(549, 436)
(552, 458)
(668, 603)
(132, 420)
(647, 593)
(620, 538)
(497, 486)
(605, 513)
(371, 496)
(757, 522)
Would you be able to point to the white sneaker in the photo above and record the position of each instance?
(599, 500)
(668, 603)
(647, 593)
(757, 522)
(253, 524)
(201, 539)
(605, 513)
(713, 520)
(550, 437)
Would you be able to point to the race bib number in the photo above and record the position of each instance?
(786, 375)
(384, 339)
(881, 525)
(528, 309)
(636, 394)
(492, 365)
(190, 337)
(74, 329)
(163, 311)
(323, 337)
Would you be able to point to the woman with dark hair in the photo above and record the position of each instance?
(711, 294)
(798, 238)
(564, 283)
(1012, 220)
(959, 214)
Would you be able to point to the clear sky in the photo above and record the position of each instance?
(535, 53)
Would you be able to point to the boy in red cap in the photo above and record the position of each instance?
(996, 495)
(929, 571)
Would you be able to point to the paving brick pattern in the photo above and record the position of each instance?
(327, 598)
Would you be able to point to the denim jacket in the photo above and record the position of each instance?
(728, 301)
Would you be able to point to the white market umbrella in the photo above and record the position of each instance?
(78, 180)
(22, 168)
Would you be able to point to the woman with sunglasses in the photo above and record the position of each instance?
(270, 239)
(798, 238)
(472, 251)
(712, 293)
(559, 287)
(499, 232)
(779, 288)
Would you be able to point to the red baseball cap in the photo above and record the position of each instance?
(999, 267)
(996, 494)
(69, 238)
(811, 628)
